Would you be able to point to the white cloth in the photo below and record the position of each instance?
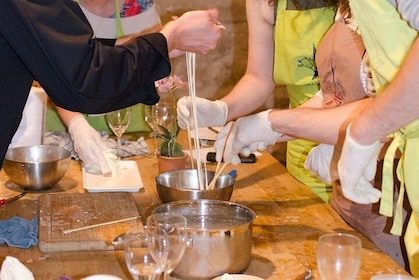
(13, 269)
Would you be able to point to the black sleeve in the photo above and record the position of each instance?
(53, 40)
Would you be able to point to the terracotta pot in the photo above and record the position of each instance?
(171, 163)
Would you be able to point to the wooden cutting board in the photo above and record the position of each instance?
(58, 212)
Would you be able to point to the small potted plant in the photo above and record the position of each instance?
(171, 156)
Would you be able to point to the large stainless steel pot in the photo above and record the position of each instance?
(220, 237)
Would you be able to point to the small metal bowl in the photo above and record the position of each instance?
(36, 168)
(184, 185)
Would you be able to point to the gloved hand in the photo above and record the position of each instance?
(89, 146)
(357, 167)
(209, 113)
(246, 135)
(318, 162)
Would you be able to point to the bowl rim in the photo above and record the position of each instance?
(189, 202)
(65, 153)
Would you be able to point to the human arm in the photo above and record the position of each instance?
(395, 107)
(74, 69)
(311, 121)
(320, 124)
(256, 85)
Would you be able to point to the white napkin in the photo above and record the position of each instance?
(13, 269)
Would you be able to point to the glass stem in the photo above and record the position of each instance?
(118, 147)
(166, 274)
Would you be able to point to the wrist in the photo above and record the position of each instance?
(76, 120)
(169, 32)
(223, 111)
(356, 143)
(277, 133)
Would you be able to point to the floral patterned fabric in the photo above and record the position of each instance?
(134, 7)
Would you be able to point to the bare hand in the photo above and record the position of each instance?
(194, 31)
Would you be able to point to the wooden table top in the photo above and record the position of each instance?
(290, 218)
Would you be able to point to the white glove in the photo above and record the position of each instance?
(89, 146)
(246, 135)
(318, 162)
(209, 113)
(357, 167)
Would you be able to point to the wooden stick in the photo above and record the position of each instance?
(217, 174)
(190, 67)
(190, 145)
(218, 167)
(67, 231)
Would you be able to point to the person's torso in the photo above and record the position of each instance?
(298, 31)
(338, 60)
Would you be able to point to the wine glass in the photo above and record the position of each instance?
(118, 121)
(339, 256)
(175, 228)
(141, 263)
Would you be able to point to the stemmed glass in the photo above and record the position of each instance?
(339, 256)
(175, 227)
(141, 263)
(118, 121)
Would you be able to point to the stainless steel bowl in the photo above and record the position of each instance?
(184, 185)
(36, 167)
(220, 235)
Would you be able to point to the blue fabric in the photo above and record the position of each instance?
(18, 232)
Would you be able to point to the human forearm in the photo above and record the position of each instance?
(325, 125)
(65, 115)
(248, 95)
(395, 107)
(74, 69)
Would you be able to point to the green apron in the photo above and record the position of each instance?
(54, 123)
(380, 23)
(297, 36)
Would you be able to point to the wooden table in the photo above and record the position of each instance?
(290, 218)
